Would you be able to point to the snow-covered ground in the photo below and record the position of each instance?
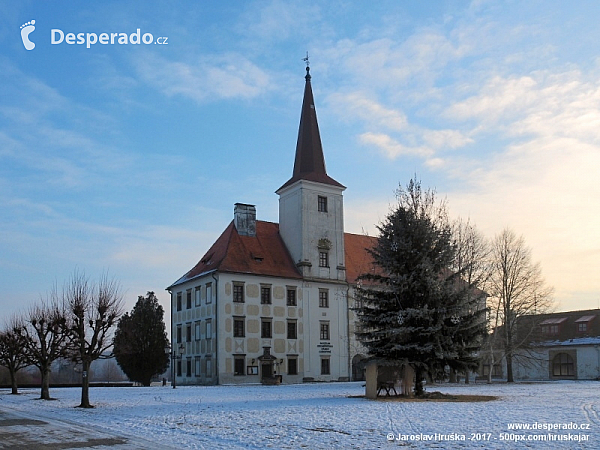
(326, 416)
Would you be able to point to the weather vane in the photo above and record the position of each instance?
(305, 59)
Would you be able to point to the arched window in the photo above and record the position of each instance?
(563, 365)
(358, 367)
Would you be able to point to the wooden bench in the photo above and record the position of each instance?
(388, 387)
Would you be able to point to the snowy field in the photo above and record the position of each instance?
(326, 416)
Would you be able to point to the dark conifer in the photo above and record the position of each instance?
(141, 339)
(415, 309)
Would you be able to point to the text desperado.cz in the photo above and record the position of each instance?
(58, 36)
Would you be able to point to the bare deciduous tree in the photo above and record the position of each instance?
(472, 253)
(471, 263)
(517, 289)
(11, 352)
(43, 339)
(92, 312)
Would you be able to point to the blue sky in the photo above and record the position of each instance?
(128, 158)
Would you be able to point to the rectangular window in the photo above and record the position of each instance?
(265, 329)
(188, 332)
(179, 336)
(324, 328)
(238, 292)
(550, 329)
(209, 367)
(188, 299)
(322, 203)
(292, 365)
(198, 295)
(178, 367)
(239, 363)
(323, 298)
(179, 301)
(582, 327)
(198, 367)
(238, 327)
(208, 329)
(209, 293)
(325, 368)
(323, 259)
(188, 367)
(265, 295)
(291, 296)
(292, 329)
(197, 325)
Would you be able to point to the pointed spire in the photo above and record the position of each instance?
(310, 162)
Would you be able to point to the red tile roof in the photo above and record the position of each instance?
(265, 254)
(358, 259)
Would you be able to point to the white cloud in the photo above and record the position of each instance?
(279, 20)
(358, 105)
(498, 98)
(391, 148)
(445, 139)
(209, 77)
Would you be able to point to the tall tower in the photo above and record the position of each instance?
(311, 207)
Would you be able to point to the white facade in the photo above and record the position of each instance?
(309, 232)
(565, 361)
(210, 346)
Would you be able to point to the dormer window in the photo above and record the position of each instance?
(552, 326)
(322, 203)
(583, 323)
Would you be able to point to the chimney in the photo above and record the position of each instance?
(244, 219)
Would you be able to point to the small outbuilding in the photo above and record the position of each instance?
(388, 378)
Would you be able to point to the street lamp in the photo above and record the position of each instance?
(175, 356)
(168, 353)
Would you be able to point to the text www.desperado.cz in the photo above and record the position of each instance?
(58, 36)
(548, 426)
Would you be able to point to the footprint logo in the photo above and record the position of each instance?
(26, 30)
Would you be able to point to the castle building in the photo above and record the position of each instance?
(273, 302)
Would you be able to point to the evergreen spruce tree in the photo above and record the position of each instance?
(415, 310)
(141, 339)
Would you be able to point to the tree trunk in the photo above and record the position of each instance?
(489, 377)
(453, 378)
(13, 382)
(85, 386)
(45, 390)
(509, 367)
(418, 381)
